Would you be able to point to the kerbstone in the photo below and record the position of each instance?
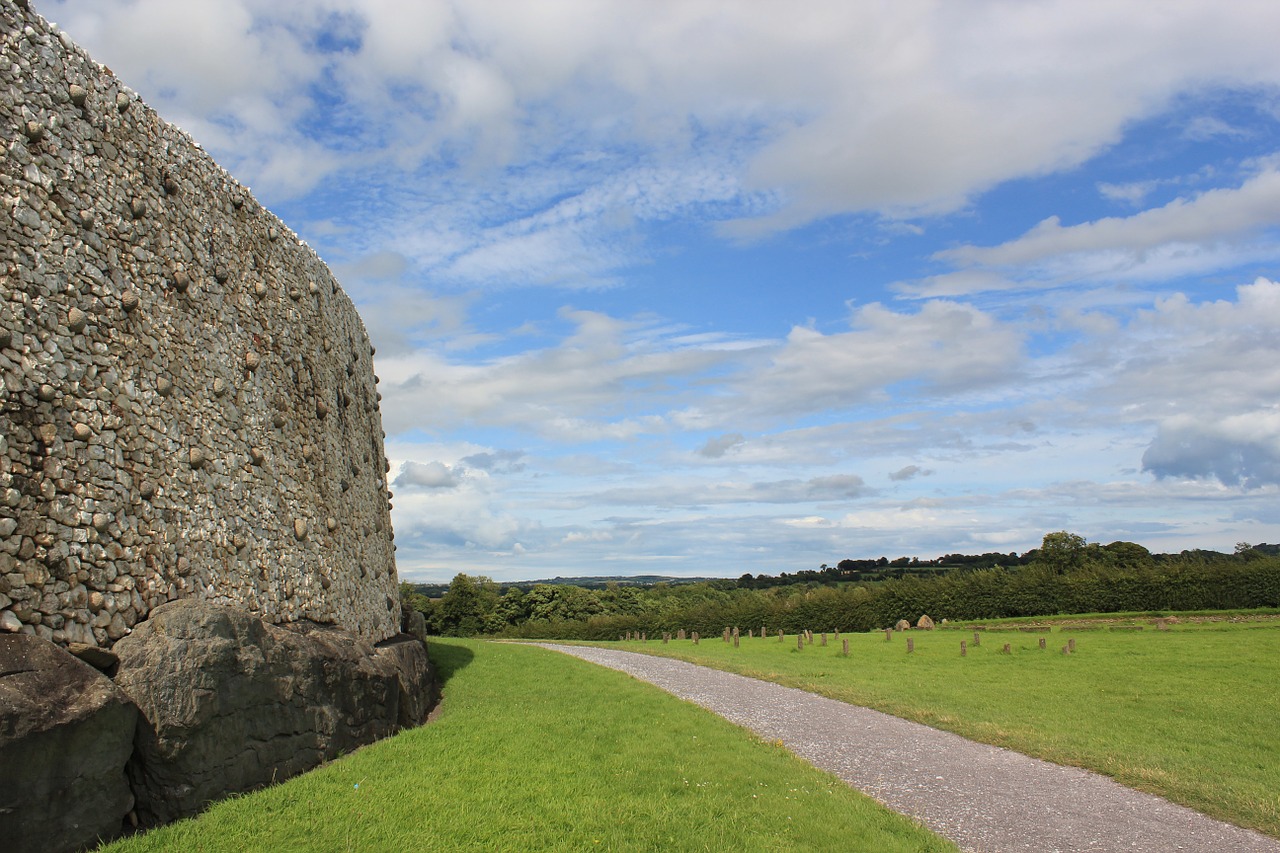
(231, 703)
(66, 732)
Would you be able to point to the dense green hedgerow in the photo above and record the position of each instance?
(1191, 583)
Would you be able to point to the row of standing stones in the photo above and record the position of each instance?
(193, 482)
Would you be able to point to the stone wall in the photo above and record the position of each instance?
(188, 407)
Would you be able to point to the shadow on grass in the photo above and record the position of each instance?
(447, 658)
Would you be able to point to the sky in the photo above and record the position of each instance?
(710, 287)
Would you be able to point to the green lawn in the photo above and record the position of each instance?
(1191, 714)
(535, 750)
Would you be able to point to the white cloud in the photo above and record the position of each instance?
(1215, 229)
(1209, 127)
(1133, 193)
(399, 318)
(942, 349)
(837, 487)
(1242, 449)
(1214, 359)
(620, 379)
(911, 107)
(605, 379)
(427, 475)
(719, 446)
(1212, 215)
(497, 462)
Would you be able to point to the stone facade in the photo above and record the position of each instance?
(188, 407)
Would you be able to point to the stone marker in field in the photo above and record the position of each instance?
(902, 625)
(925, 623)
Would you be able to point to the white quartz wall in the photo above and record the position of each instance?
(187, 399)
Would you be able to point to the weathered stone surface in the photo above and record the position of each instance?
(100, 659)
(415, 678)
(147, 344)
(902, 625)
(65, 734)
(413, 623)
(924, 623)
(231, 703)
(147, 348)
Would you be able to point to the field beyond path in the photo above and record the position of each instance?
(982, 797)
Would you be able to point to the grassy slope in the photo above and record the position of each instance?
(1190, 713)
(538, 751)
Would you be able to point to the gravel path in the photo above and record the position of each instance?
(983, 798)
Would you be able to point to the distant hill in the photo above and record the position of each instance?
(435, 590)
(847, 570)
(602, 581)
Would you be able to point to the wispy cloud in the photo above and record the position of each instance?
(1216, 229)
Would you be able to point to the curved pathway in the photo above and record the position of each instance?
(984, 798)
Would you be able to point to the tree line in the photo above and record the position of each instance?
(1066, 574)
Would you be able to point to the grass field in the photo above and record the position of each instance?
(1191, 713)
(535, 750)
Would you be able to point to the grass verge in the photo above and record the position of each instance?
(1189, 713)
(534, 750)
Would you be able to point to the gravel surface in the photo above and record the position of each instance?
(983, 798)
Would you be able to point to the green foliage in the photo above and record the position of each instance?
(469, 607)
(1065, 575)
(1107, 579)
(410, 596)
(1061, 552)
(538, 751)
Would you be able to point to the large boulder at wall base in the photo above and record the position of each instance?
(419, 690)
(66, 733)
(230, 703)
(925, 623)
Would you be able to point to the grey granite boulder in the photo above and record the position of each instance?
(231, 703)
(415, 679)
(413, 622)
(66, 733)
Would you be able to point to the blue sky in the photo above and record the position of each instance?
(706, 288)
